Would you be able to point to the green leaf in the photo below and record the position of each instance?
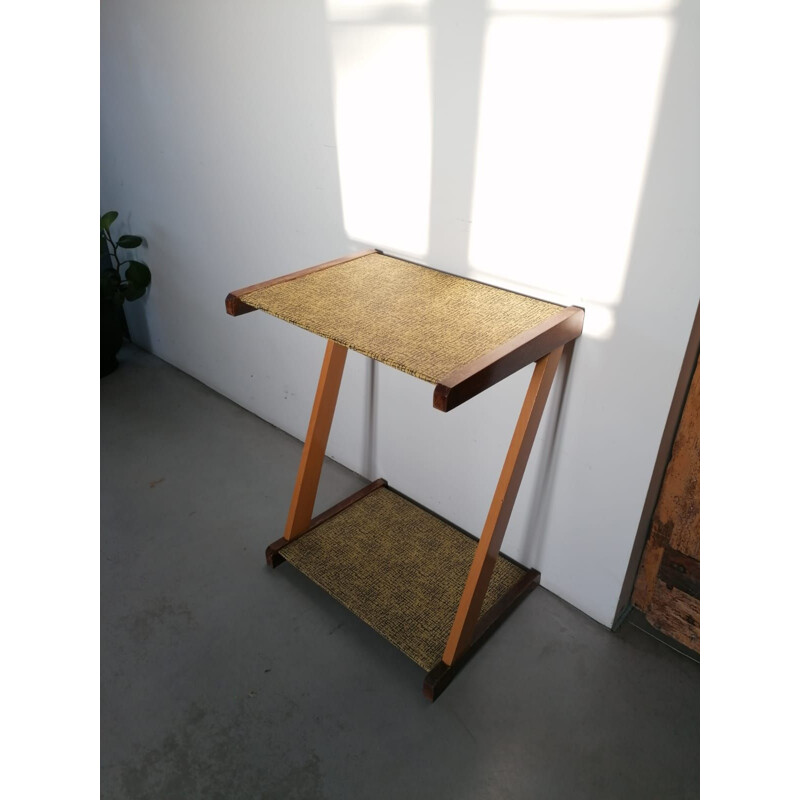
(107, 219)
(138, 274)
(118, 297)
(133, 292)
(129, 242)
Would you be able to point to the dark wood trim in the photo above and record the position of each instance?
(273, 551)
(438, 679)
(479, 374)
(346, 503)
(491, 620)
(684, 381)
(680, 571)
(235, 306)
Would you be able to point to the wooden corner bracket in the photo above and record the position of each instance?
(490, 368)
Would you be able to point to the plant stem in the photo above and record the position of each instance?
(114, 246)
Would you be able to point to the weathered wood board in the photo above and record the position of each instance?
(668, 583)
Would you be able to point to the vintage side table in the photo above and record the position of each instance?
(429, 588)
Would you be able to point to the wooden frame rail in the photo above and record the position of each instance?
(235, 306)
(531, 345)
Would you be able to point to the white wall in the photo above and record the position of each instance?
(546, 147)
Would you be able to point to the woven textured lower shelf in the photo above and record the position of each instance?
(397, 567)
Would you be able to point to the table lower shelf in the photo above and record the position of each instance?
(400, 569)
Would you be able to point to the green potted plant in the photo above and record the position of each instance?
(116, 286)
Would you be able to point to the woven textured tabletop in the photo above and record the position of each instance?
(398, 568)
(418, 320)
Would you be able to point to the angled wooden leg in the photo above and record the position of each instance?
(319, 426)
(486, 554)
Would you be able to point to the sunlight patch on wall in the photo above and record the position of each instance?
(568, 111)
(382, 96)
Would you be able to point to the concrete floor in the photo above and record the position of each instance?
(221, 679)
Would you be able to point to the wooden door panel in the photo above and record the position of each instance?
(667, 586)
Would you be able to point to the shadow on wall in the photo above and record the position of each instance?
(643, 300)
(217, 128)
(530, 145)
(533, 144)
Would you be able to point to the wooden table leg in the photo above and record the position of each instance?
(319, 426)
(463, 630)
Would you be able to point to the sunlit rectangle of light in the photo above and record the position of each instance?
(568, 108)
(383, 133)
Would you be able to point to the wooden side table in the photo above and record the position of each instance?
(431, 589)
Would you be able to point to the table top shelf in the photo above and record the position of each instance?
(429, 588)
(459, 334)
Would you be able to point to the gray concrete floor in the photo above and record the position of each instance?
(222, 679)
